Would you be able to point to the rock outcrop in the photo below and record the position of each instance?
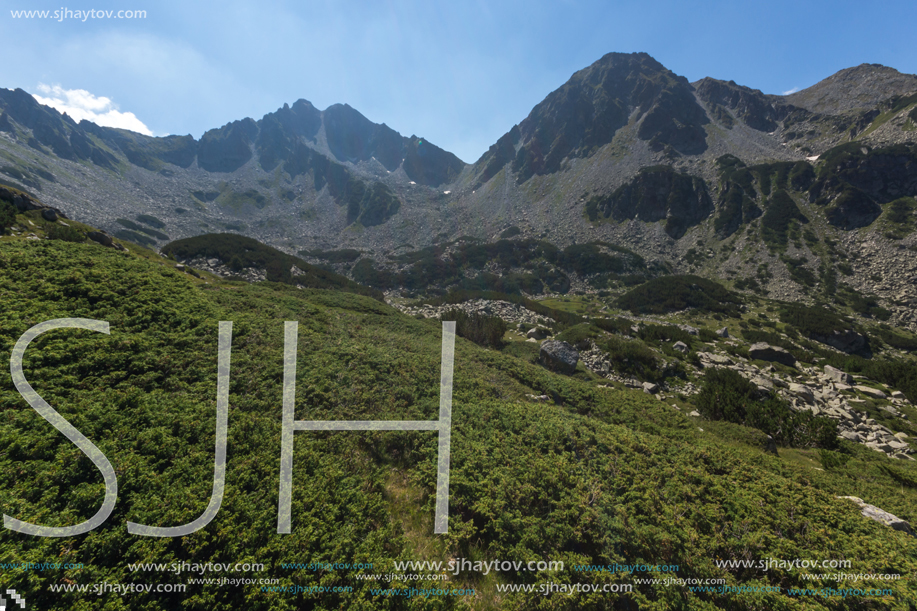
(879, 515)
(765, 352)
(559, 356)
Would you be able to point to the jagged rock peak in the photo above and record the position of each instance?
(585, 113)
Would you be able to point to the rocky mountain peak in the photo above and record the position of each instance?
(585, 113)
(856, 88)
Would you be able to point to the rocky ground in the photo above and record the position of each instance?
(822, 391)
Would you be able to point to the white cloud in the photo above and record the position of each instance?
(80, 104)
(793, 90)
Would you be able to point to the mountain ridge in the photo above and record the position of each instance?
(306, 180)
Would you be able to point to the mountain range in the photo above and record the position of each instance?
(709, 177)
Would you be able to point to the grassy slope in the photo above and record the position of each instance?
(597, 477)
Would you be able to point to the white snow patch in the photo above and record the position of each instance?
(815, 158)
(446, 192)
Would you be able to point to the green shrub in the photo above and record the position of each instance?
(244, 252)
(132, 226)
(779, 217)
(152, 221)
(664, 333)
(485, 331)
(706, 335)
(812, 320)
(832, 460)
(579, 335)
(136, 238)
(7, 215)
(896, 340)
(65, 233)
(614, 325)
(673, 293)
(632, 357)
(726, 395)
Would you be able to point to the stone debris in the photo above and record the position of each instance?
(510, 312)
(825, 391)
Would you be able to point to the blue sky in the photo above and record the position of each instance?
(459, 74)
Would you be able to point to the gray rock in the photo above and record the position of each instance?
(874, 513)
(689, 329)
(681, 347)
(871, 392)
(837, 375)
(537, 333)
(803, 392)
(102, 238)
(765, 352)
(718, 359)
(852, 436)
(559, 356)
(724, 332)
(897, 394)
(650, 388)
(49, 215)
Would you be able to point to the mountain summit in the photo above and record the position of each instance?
(586, 112)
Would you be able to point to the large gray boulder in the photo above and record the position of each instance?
(836, 375)
(870, 392)
(879, 515)
(763, 351)
(102, 238)
(803, 392)
(559, 356)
